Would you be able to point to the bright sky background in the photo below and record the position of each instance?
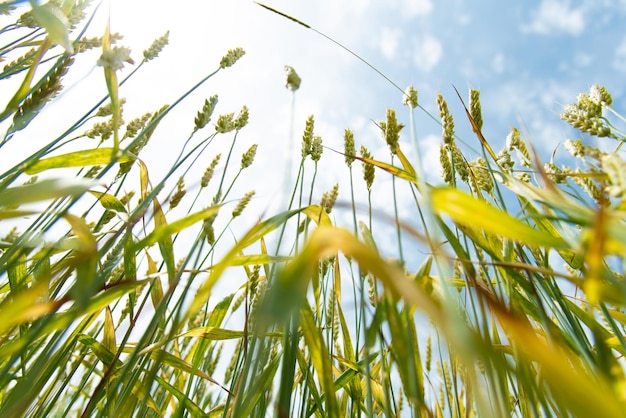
(527, 58)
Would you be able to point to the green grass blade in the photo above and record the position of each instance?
(109, 202)
(44, 190)
(163, 231)
(469, 211)
(84, 158)
(320, 358)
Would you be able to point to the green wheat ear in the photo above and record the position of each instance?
(349, 148)
(368, 168)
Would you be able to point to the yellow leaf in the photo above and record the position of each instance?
(466, 210)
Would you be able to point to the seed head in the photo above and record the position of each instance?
(475, 109)
(410, 97)
(482, 176)
(107, 109)
(447, 121)
(293, 80)
(513, 139)
(204, 115)
(588, 185)
(601, 95)
(349, 150)
(368, 169)
(316, 148)
(179, 194)
(615, 168)
(575, 147)
(555, 173)
(242, 204)
(225, 123)
(51, 86)
(157, 46)
(307, 137)
(391, 130)
(460, 164)
(329, 198)
(209, 232)
(231, 57)
(114, 58)
(446, 164)
(208, 173)
(136, 125)
(248, 157)
(242, 118)
(586, 114)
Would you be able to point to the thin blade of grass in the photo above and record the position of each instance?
(320, 358)
(163, 231)
(257, 390)
(186, 404)
(162, 236)
(85, 261)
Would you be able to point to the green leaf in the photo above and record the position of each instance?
(218, 313)
(188, 405)
(8, 214)
(406, 163)
(108, 337)
(84, 158)
(317, 214)
(396, 171)
(109, 202)
(162, 235)
(164, 231)
(214, 333)
(85, 261)
(320, 358)
(254, 259)
(110, 76)
(43, 190)
(52, 19)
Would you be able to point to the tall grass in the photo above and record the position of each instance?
(108, 275)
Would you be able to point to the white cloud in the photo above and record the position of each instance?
(428, 53)
(619, 59)
(498, 63)
(554, 16)
(582, 59)
(388, 42)
(414, 8)
(464, 19)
